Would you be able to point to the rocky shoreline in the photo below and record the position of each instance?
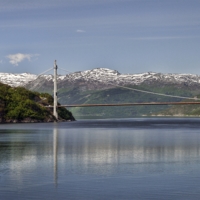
(29, 120)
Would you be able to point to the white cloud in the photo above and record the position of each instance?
(15, 59)
(80, 31)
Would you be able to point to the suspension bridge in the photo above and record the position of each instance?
(195, 101)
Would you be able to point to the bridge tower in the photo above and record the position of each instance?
(55, 113)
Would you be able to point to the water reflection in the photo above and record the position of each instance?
(106, 151)
(99, 150)
(50, 162)
(55, 148)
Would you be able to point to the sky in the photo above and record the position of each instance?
(130, 36)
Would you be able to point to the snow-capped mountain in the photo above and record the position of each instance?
(16, 80)
(104, 75)
(103, 78)
(98, 78)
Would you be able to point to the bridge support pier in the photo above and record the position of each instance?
(55, 113)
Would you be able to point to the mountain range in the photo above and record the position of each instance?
(102, 76)
(101, 85)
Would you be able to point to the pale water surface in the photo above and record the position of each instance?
(101, 159)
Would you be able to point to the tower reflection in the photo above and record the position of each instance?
(55, 148)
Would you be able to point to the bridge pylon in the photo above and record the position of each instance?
(55, 113)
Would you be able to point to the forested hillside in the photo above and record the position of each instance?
(21, 105)
(181, 110)
(120, 95)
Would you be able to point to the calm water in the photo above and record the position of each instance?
(101, 159)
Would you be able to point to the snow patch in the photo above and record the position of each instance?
(103, 75)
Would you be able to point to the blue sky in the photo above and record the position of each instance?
(131, 36)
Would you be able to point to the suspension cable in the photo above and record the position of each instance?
(45, 71)
(154, 93)
(64, 70)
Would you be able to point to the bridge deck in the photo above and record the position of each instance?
(130, 104)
